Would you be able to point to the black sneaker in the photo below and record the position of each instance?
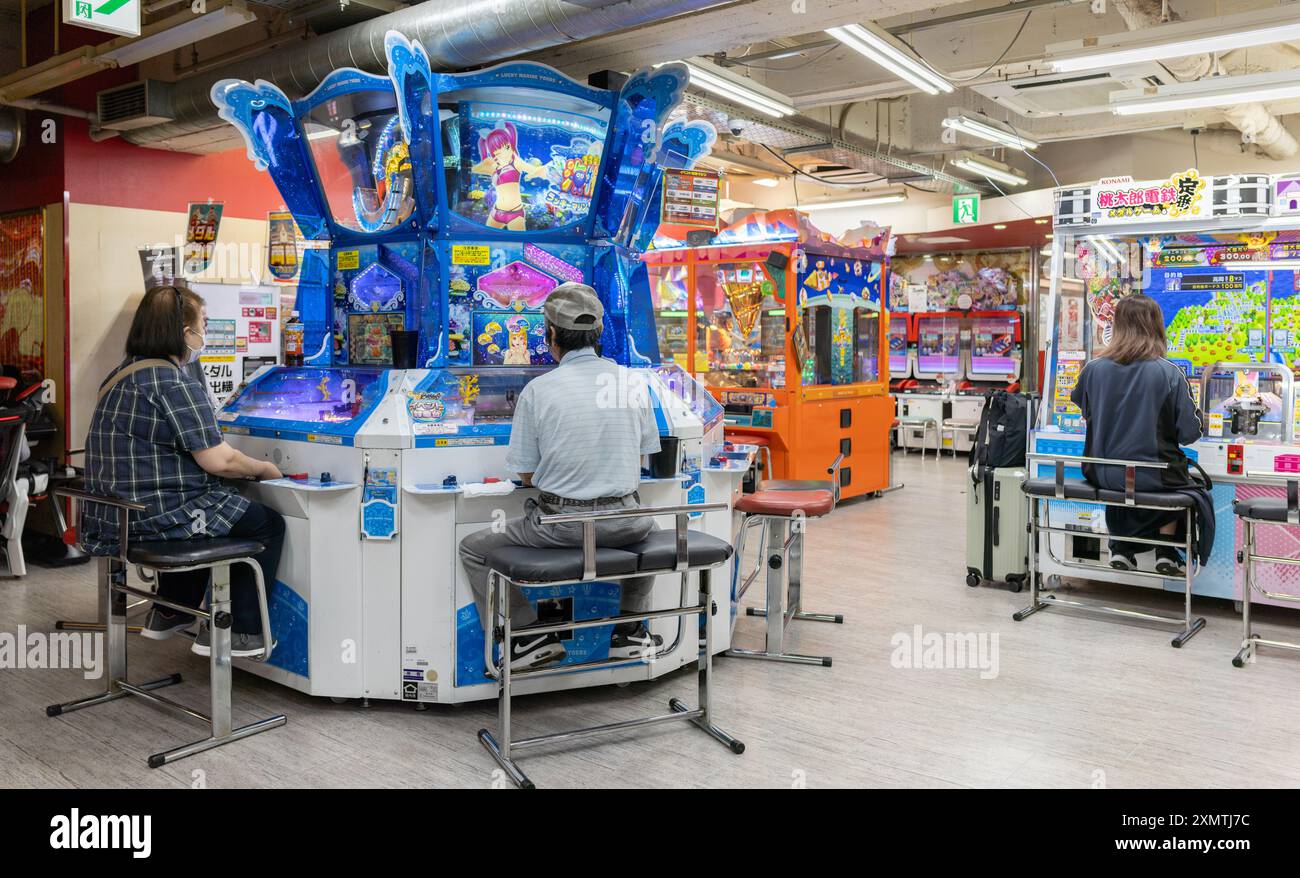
(1169, 562)
(532, 651)
(633, 641)
(161, 624)
(1120, 561)
(241, 645)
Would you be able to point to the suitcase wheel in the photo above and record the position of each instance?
(972, 580)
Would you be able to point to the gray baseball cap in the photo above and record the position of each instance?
(574, 306)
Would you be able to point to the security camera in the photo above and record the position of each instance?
(736, 126)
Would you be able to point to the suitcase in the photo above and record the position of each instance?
(997, 539)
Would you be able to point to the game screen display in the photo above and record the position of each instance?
(692, 392)
(741, 335)
(523, 168)
(897, 346)
(495, 294)
(668, 291)
(364, 165)
(448, 401)
(375, 287)
(309, 395)
(994, 350)
(937, 345)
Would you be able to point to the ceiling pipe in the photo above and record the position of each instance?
(457, 34)
(1254, 121)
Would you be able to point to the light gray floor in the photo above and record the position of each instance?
(1076, 701)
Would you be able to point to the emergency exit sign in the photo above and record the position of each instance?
(111, 16)
(965, 209)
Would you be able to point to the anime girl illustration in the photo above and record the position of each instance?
(517, 353)
(499, 156)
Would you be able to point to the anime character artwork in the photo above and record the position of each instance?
(499, 157)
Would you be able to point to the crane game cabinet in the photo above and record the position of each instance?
(452, 205)
(782, 322)
(1219, 255)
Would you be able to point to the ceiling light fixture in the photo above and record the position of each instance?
(193, 31)
(885, 50)
(986, 129)
(767, 182)
(1216, 91)
(1176, 40)
(737, 88)
(892, 195)
(987, 167)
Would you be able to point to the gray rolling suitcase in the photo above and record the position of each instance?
(997, 541)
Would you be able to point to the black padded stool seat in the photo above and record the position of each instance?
(659, 550)
(526, 564)
(1077, 489)
(1262, 508)
(795, 485)
(164, 554)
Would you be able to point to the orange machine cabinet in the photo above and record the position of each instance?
(784, 325)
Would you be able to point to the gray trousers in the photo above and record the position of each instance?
(525, 531)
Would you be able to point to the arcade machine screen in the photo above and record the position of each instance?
(668, 290)
(898, 346)
(363, 161)
(994, 350)
(315, 399)
(741, 333)
(843, 344)
(374, 285)
(692, 392)
(517, 166)
(937, 347)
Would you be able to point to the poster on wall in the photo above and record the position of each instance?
(158, 264)
(282, 257)
(22, 291)
(690, 198)
(236, 340)
(201, 235)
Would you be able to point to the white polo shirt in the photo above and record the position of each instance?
(581, 428)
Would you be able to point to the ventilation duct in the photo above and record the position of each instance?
(457, 34)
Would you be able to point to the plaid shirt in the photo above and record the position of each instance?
(140, 448)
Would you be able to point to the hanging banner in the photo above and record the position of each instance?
(201, 235)
(282, 245)
(690, 198)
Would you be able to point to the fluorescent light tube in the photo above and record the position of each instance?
(988, 130)
(193, 31)
(1105, 248)
(1177, 40)
(1218, 91)
(883, 49)
(868, 199)
(738, 89)
(991, 169)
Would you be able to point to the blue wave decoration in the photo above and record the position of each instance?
(242, 104)
(407, 58)
(683, 143)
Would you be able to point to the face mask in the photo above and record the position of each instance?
(194, 354)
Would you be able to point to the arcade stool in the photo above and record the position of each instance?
(1252, 512)
(682, 551)
(173, 556)
(762, 440)
(783, 505)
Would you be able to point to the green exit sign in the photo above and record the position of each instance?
(965, 209)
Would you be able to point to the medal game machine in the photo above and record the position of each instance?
(785, 330)
(1219, 256)
(902, 353)
(967, 336)
(453, 204)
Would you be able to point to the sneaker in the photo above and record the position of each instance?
(161, 624)
(241, 645)
(527, 652)
(634, 641)
(1169, 562)
(1120, 561)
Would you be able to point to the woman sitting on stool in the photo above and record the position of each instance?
(154, 440)
(1139, 406)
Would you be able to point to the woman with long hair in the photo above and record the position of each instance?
(1139, 406)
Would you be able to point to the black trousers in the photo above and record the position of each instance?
(259, 523)
(1142, 523)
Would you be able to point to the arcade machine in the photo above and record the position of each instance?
(1219, 254)
(784, 329)
(966, 330)
(452, 204)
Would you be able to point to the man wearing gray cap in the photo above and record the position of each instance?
(578, 435)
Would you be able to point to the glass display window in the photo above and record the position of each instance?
(362, 160)
(740, 330)
(670, 295)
